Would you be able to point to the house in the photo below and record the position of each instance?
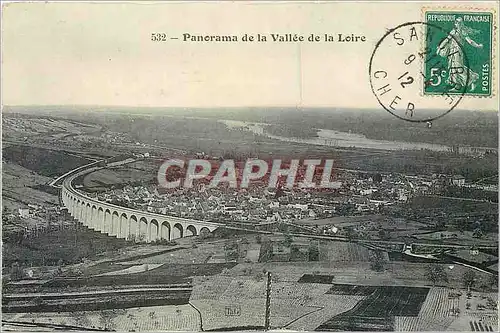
(402, 195)
(298, 206)
(474, 251)
(25, 213)
(458, 180)
(367, 191)
(331, 230)
(363, 208)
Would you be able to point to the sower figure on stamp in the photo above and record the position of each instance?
(450, 48)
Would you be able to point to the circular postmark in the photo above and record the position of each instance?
(411, 57)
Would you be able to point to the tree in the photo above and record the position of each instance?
(493, 281)
(288, 240)
(350, 233)
(141, 238)
(205, 233)
(16, 272)
(258, 239)
(440, 224)
(59, 270)
(282, 227)
(468, 279)
(436, 273)
(81, 319)
(313, 252)
(106, 320)
(377, 261)
(5, 214)
(477, 233)
(383, 234)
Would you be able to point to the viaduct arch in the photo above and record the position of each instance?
(126, 223)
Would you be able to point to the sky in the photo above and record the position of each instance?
(102, 54)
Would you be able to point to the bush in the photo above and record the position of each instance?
(164, 241)
(16, 272)
(313, 252)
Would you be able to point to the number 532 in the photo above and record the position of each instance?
(158, 37)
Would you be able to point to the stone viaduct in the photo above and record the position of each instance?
(126, 223)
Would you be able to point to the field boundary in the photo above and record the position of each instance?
(199, 313)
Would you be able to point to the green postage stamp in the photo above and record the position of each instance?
(459, 53)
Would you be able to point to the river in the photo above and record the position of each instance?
(334, 138)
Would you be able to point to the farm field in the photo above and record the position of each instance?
(164, 274)
(113, 260)
(485, 323)
(437, 304)
(199, 255)
(283, 313)
(342, 272)
(227, 287)
(56, 244)
(343, 252)
(42, 161)
(253, 252)
(302, 305)
(155, 318)
(377, 311)
(452, 205)
(341, 221)
(210, 287)
(18, 183)
(96, 302)
(132, 269)
(36, 126)
(290, 300)
(436, 324)
(395, 273)
(231, 314)
(450, 323)
(117, 176)
(229, 302)
(316, 278)
(185, 270)
(323, 308)
(465, 237)
(352, 290)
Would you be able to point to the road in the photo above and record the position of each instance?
(361, 241)
(80, 294)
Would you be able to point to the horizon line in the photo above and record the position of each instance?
(223, 107)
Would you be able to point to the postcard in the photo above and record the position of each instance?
(250, 166)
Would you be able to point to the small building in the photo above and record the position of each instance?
(474, 251)
(458, 180)
(25, 213)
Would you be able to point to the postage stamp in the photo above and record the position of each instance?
(459, 53)
(396, 73)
